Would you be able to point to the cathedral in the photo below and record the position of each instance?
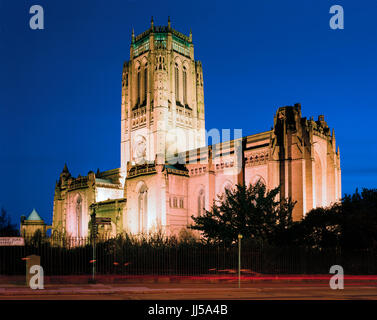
(167, 172)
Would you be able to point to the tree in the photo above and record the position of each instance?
(7, 229)
(350, 224)
(321, 228)
(252, 211)
(359, 220)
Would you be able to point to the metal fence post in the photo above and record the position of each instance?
(93, 234)
(239, 260)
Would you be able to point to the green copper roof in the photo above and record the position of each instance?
(34, 216)
(162, 31)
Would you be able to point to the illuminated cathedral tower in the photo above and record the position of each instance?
(162, 97)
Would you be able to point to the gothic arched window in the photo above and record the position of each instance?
(201, 203)
(145, 82)
(184, 86)
(138, 86)
(176, 82)
(143, 209)
(318, 182)
(78, 210)
(257, 179)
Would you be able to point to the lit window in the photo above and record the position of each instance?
(145, 82)
(143, 209)
(184, 86)
(176, 82)
(138, 87)
(201, 203)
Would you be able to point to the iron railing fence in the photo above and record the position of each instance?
(73, 256)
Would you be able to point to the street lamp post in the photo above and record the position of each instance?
(239, 260)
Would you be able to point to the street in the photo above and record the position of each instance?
(187, 291)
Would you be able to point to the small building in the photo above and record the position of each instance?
(31, 224)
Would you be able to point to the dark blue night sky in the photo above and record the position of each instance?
(60, 88)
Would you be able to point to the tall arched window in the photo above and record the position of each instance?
(184, 86)
(201, 203)
(318, 182)
(143, 209)
(176, 82)
(145, 82)
(257, 179)
(78, 210)
(138, 86)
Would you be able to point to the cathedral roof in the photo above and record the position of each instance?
(34, 216)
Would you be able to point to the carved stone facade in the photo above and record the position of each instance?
(162, 118)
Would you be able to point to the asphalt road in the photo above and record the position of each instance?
(205, 291)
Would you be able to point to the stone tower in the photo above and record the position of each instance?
(304, 160)
(162, 97)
